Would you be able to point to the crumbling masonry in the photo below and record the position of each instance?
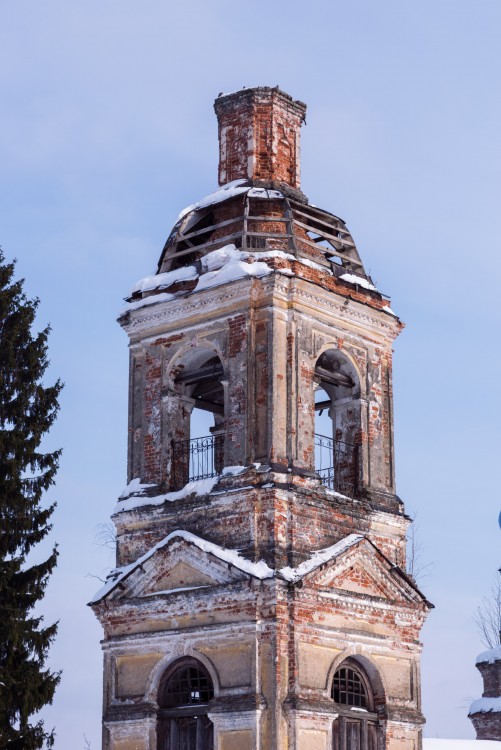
(485, 712)
(260, 599)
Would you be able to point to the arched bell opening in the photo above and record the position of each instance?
(184, 695)
(337, 422)
(198, 412)
(358, 725)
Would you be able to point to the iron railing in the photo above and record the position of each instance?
(198, 458)
(336, 462)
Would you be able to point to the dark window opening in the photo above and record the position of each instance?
(187, 686)
(184, 699)
(200, 455)
(337, 422)
(357, 726)
(348, 688)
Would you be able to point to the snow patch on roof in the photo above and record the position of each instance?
(236, 187)
(133, 500)
(164, 280)
(265, 193)
(234, 268)
(334, 493)
(490, 656)
(388, 309)
(485, 706)
(135, 488)
(164, 297)
(232, 557)
(320, 557)
(351, 278)
(233, 471)
(218, 267)
(230, 190)
(218, 258)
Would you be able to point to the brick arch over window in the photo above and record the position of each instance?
(196, 416)
(184, 695)
(338, 421)
(359, 701)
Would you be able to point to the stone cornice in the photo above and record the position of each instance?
(284, 291)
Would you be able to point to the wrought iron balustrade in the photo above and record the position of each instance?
(198, 458)
(336, 462)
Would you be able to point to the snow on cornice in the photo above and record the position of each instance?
(259, 569)
(135, 494)
(490, 656)
(218, 267)
(485, 706)
(351, 278)
(232, 557)
(320, 557)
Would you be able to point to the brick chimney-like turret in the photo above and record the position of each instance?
(485, 713)
(259, 132)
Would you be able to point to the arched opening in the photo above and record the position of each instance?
(198, 444)
(337, 422)
(357, 726)
(183, 703)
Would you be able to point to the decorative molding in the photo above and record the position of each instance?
(228, 298)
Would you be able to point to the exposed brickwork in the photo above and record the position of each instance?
(253, 351)
(487, 723)
(259, 135)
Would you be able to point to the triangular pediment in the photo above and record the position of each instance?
(357, 579)
(181, 562)
(180, 575)
(358, 568)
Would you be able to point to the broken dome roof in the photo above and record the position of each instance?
(257, 216)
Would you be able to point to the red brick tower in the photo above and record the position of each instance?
(485, 712)
(260, 598)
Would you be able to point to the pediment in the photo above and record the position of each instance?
(362, 570)
(180, 562)
(357, 579)
(180, 575)
(176, 567)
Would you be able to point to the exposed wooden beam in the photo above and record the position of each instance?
(203, 373)
(333, 378)
(209, 406)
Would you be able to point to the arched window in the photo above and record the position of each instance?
(337, 422)
(356, 727)
(198, 447)
(184, 696)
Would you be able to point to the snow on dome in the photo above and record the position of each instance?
(233, 269)
(490, 656)
(236, 187)
(163, 280)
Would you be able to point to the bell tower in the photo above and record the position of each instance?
(260, 598)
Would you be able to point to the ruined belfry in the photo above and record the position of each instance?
(260, 599)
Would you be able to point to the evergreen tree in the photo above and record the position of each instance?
(27, 410)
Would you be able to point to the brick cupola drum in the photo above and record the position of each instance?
(260, 598)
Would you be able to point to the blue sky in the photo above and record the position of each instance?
(107, 131)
